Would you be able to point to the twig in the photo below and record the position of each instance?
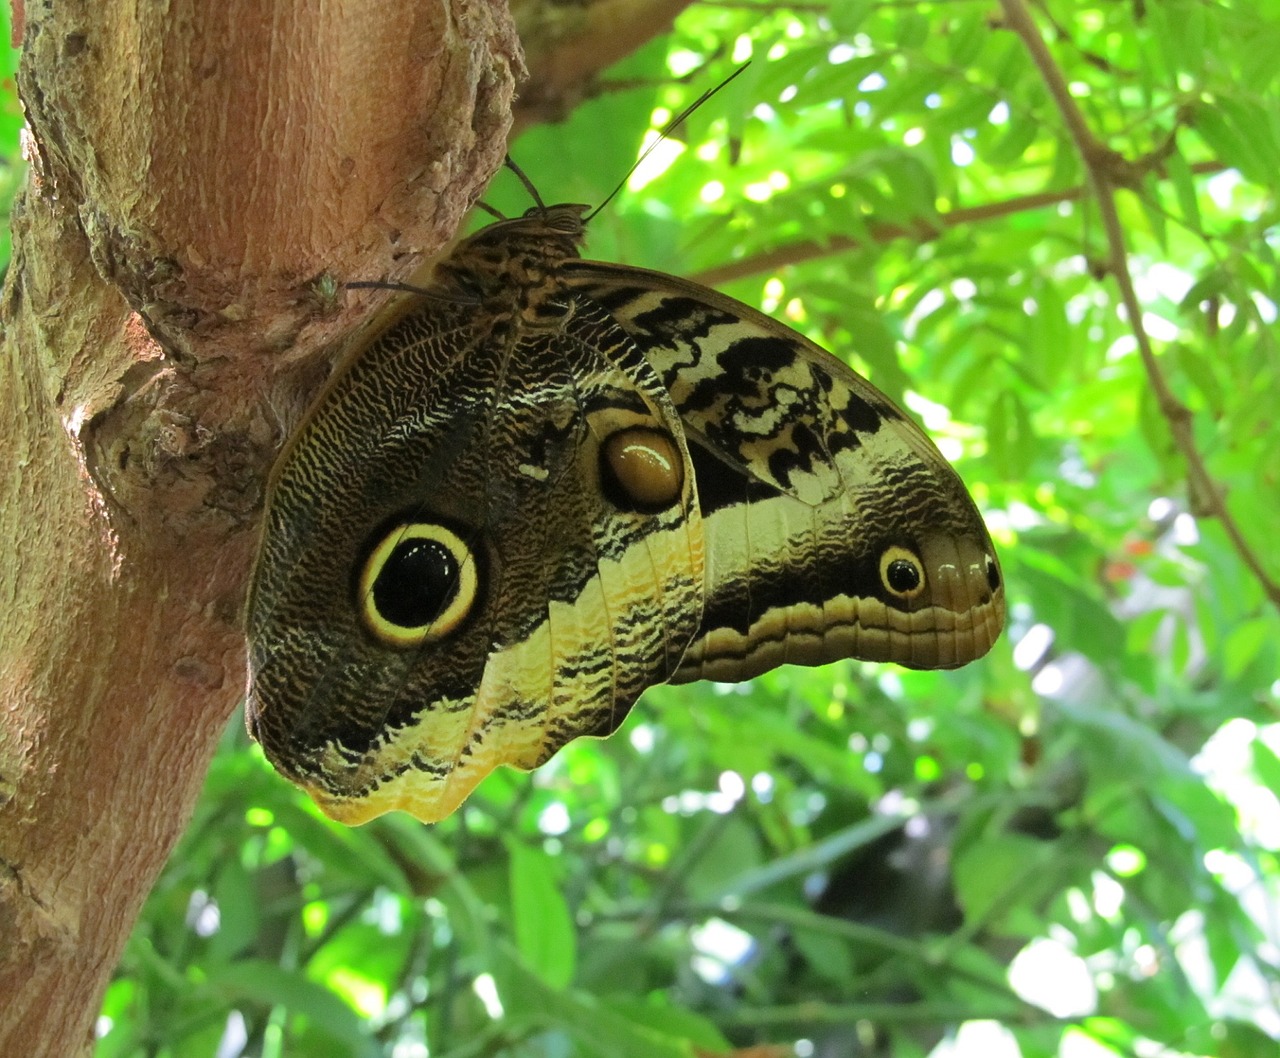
(1108, 170)
(925, 954)
(879, 232)
(814, 1013)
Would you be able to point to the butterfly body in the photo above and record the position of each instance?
(558, 482)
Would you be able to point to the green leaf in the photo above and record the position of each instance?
(599, 1030)
(829, 957)
(847, 17)
(1017, 139)
(258, 983)
(239, 921)
(1184, 186)
(1009, 434)
(999, 879)
(542, 923)
(1244, 643)
(1266, 764)
(661, 1017)
(1231, 144)
(731, 850)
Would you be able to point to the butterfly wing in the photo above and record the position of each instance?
(482, 544)
(559, 482)
(834, 527)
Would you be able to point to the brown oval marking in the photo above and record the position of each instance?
(643, 469)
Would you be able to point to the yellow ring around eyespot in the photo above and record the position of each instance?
(894, 554)
(464, 596)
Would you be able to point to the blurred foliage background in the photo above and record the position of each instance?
(1069, 848)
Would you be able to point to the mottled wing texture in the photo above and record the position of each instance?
(809, 481)
(486, 419)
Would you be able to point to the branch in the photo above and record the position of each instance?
(930, 1012)
(1107, 171)
(880, 232)
(567, 46)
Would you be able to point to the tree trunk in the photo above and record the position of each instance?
(204, 177)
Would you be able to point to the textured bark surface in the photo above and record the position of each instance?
(569, 44)
(204, 176)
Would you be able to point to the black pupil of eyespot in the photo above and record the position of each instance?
(903, 576)
(993, 575)
(416, 583)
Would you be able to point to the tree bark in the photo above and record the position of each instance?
(204, 177)
(569, 44)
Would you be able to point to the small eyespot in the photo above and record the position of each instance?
(641, 469)
(993, 573)
(901, 572)
(418, 584)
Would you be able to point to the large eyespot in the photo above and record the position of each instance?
(901, 572)
(641, 469)
(418, 584)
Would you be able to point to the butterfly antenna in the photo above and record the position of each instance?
(509, 162)
(670, 127)
(409, 288)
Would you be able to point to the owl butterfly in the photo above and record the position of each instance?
(554, 483)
